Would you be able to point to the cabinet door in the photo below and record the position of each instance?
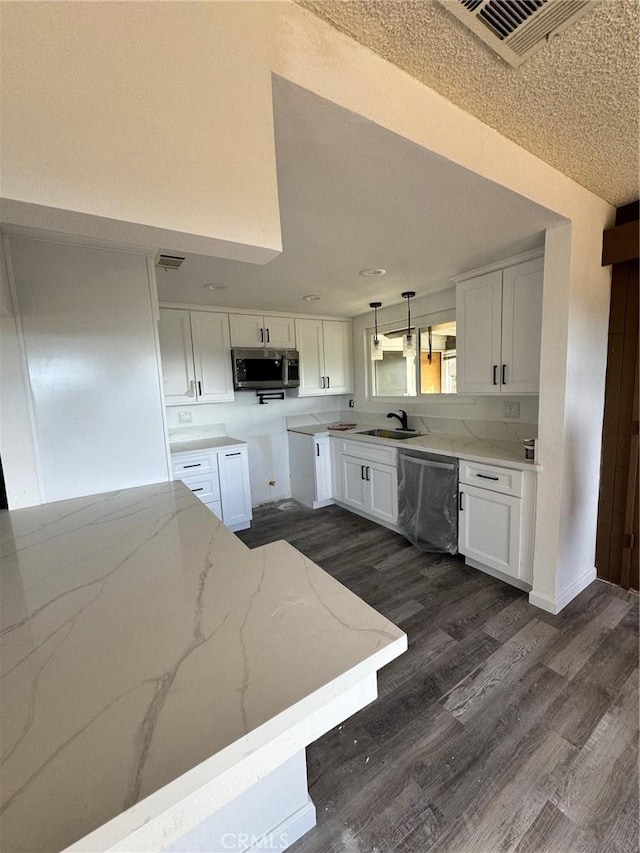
(322, 468)
(235, 488)
(311, 350)
(479, 333)
(337, 357)
(383, 491)
(522, 327)
(176, 352)
(280, 332)
(489, 528)
(212, 356)
(353, 482)
(247, 330)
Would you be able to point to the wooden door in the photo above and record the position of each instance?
(617, 537)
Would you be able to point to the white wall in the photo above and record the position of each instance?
(17, 449)
(264, 428)
(313, 55)
(156, 114)
(90, 344)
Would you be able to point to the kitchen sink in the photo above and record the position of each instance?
(398, 434)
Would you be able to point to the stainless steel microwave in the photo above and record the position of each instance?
(265, 368)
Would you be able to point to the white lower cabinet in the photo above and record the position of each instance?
(220, 479)
(495, 520)
(310, 467)
(370, 486)
(235, 488)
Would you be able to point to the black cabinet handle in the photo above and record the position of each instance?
(239, 453)
(268, 335)
(199, 388)
(328, 383)
(201, 489)
(487, 477)
(317, 450)
(322, 380)
(261, 335)
(460, 507)
(495, 374)
(362, 472)
(368, 472)
(195, 465)
(504, 374)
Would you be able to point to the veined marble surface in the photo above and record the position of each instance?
(491, 451)
(141, 638)
(212, 443)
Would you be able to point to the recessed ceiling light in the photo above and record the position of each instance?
(312, 297)
(215, 286)
(374, 271)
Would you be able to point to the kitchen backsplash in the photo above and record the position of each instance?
(264, 428)
(490, 430)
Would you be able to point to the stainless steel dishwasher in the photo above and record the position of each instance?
(428, 500)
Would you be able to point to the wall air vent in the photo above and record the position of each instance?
(514, 29)
(169, 262)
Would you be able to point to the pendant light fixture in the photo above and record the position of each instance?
(409, 340)
(376, 346)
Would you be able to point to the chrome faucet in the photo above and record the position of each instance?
(402, 417)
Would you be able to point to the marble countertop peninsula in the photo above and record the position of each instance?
(471, 448)
(147, 651)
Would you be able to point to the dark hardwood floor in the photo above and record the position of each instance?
(502, 727)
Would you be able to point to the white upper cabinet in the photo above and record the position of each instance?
(325, 357)
(196, 361)
(522, 327)
(499, 322)
(212, 357)
(176, 350)
(256, 330)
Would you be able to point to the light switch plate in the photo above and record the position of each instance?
(512, 410)
(184, 417)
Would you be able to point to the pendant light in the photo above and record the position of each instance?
(376, 347)
(409, 340)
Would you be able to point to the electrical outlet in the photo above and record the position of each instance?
(352, 404)
(184, 417)
(512, 410)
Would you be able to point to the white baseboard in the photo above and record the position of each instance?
(555, 605)
(288, 831)
(496, 573)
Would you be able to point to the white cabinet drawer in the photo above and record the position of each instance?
(373, 452)
(504, 480)
(197, 464)
(204, 486)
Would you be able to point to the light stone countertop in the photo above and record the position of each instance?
(211, 443)
(144, 648)
(470, 448)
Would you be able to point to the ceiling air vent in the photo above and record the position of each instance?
(169, 262)
(517, 28)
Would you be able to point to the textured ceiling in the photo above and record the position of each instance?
(574, 103)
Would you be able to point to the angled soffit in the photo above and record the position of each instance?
(574, 103)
